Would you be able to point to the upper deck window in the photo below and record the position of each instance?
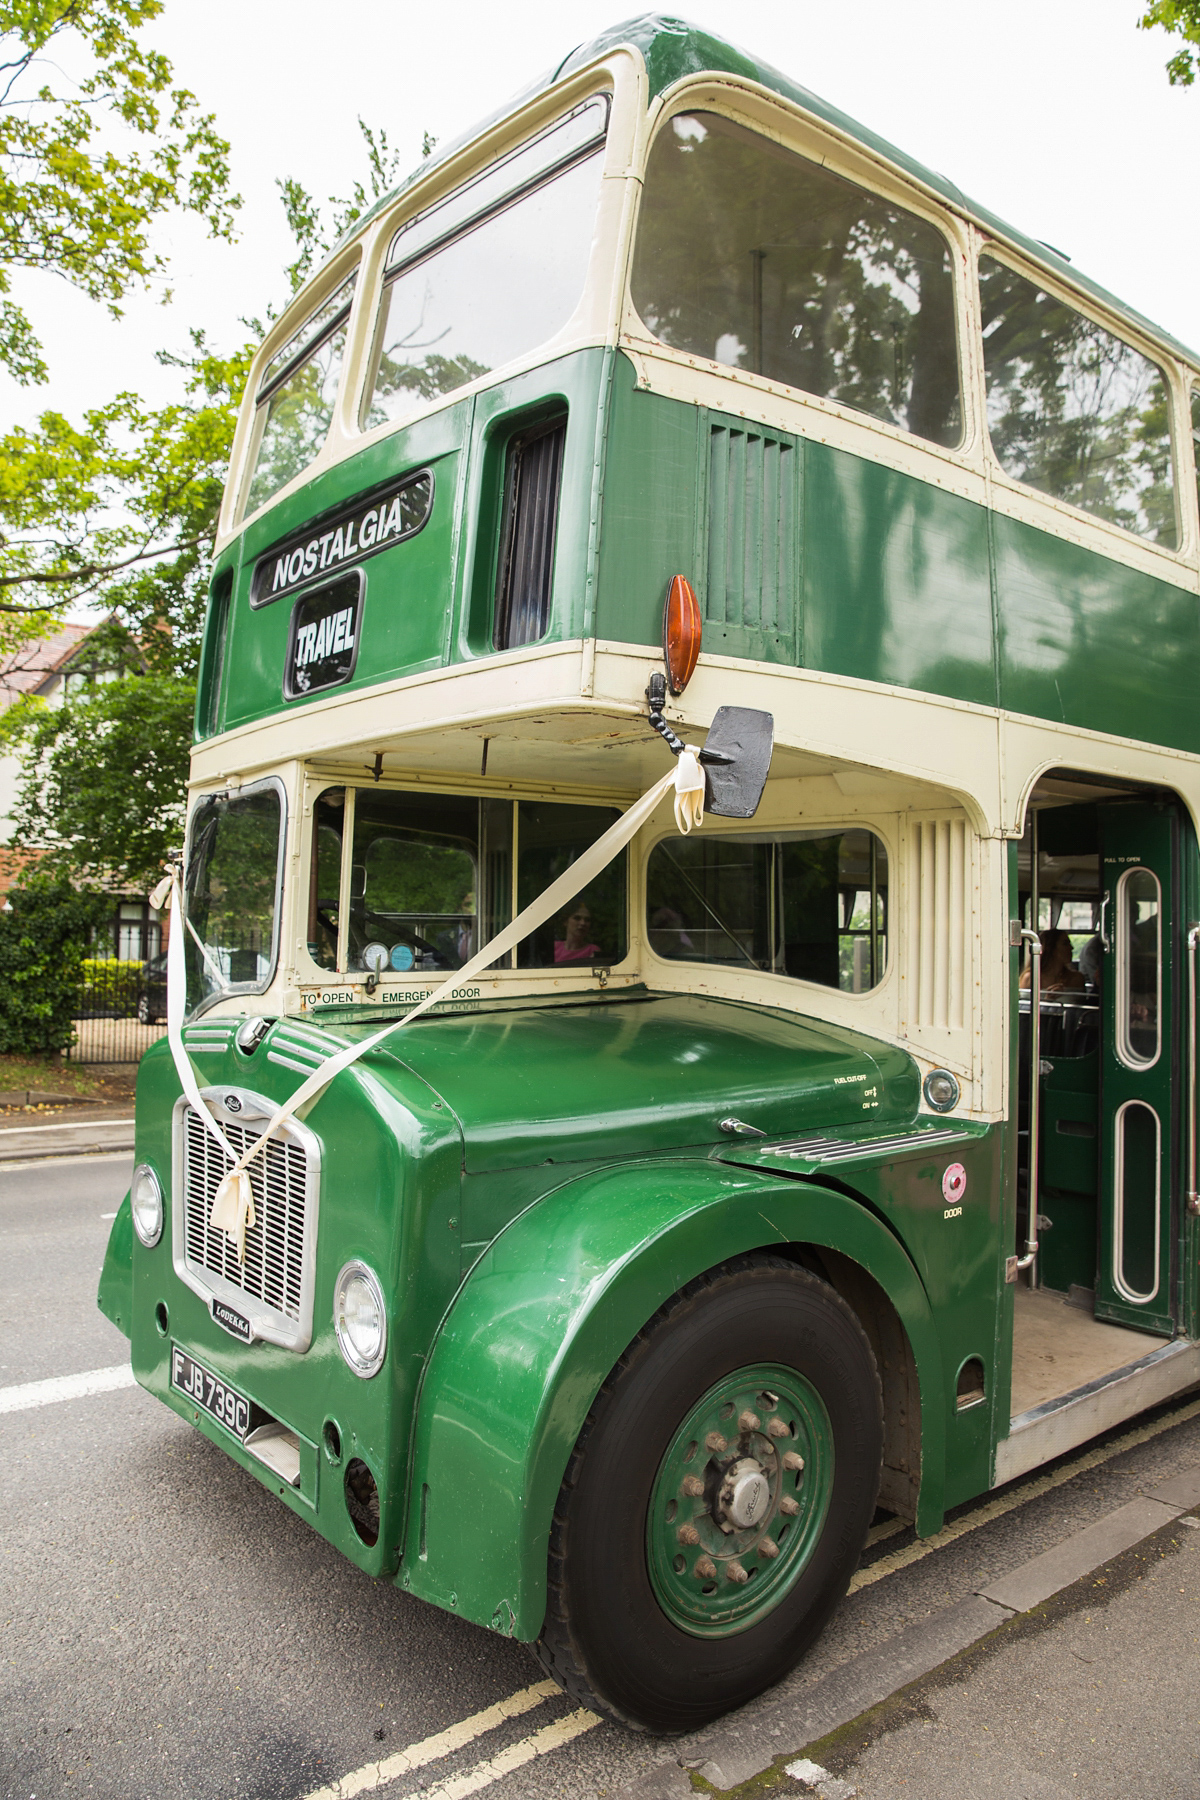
(1074, 411)
(752, 255)
(492, 271)
(1196, 435)
(296, 397)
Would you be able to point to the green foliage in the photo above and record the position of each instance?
(45, 931)
(77, 192)
(103, 779)
(314, 239)
(124, 508)
(1182, 19)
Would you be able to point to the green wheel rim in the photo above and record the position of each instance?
(740, 1500)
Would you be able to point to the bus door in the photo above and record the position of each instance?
(1140, 1103)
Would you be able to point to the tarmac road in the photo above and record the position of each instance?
(171, 1630)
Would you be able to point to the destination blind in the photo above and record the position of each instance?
(337, 543)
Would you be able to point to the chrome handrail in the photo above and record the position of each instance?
(1193, 1195)
(1035, 1086)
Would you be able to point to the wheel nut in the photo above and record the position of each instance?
(769, 1547)
(735, 1572)
(705, 1568)
(788, 1505)
(792, 1461)
(777, 1428)
(687, 1534)
(748, 1422)
(692, 1486)
(714, 1441)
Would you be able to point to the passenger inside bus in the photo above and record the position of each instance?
(1058, 968)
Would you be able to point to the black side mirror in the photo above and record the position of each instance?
(737, 760)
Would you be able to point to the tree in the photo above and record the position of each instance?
(122, 511)
(104, 778)
(77, 193)
(1182, 19)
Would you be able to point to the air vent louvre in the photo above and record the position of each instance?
(751, 582)
(533, 479)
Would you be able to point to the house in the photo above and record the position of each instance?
(51, 668)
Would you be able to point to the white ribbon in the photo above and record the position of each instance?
(233, 1203)
(689, 789)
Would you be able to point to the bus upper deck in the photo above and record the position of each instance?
(563, 365)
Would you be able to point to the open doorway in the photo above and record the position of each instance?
(1100, 877)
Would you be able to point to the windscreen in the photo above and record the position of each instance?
(231, 893)
(431, 878)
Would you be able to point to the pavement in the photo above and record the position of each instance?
(48, 1124)
(167, 1628)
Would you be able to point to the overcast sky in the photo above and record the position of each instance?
(1057, 115)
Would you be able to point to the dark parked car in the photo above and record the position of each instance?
(152, 1001)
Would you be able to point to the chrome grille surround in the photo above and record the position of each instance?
(273, 1289)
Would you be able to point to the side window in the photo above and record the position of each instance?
(296, 398)
(1196, 435)
(758, 258)
(1139, 968)
(1074, 411)
(812, 905)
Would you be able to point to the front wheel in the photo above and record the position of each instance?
(716, 1503)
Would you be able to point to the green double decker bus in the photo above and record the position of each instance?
(837, 1155)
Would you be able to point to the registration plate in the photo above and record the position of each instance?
(214, 1397)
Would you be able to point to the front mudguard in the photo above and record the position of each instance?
(115, 1294)
(539, 1323)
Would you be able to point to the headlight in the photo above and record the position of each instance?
(941, 1090)
(146, 1204)
(358, 1319)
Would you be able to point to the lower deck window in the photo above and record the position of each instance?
(812, 905)
(420, 882)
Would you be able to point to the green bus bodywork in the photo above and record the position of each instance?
(893, 580)
(535, 1179)
(476, 1172)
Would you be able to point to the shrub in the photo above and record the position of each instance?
(45, 931)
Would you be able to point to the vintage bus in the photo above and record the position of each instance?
(837, 1156)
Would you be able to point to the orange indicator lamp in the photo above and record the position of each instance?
(682, 631)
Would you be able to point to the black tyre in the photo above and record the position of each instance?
(716, 1504)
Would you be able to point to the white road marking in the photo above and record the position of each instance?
(374, 1776)
(108, 1215)
(65, 1387)
(13, 1165)
(1029, 1490)
(67, 1125)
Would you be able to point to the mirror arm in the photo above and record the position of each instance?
(656, 694)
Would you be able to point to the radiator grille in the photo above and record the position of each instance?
(751, 532)
(533, 480)
(274, 1266)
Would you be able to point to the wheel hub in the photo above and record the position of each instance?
(740, 1500)
(745, 1495)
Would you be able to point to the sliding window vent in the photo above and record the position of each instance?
(532, 481)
